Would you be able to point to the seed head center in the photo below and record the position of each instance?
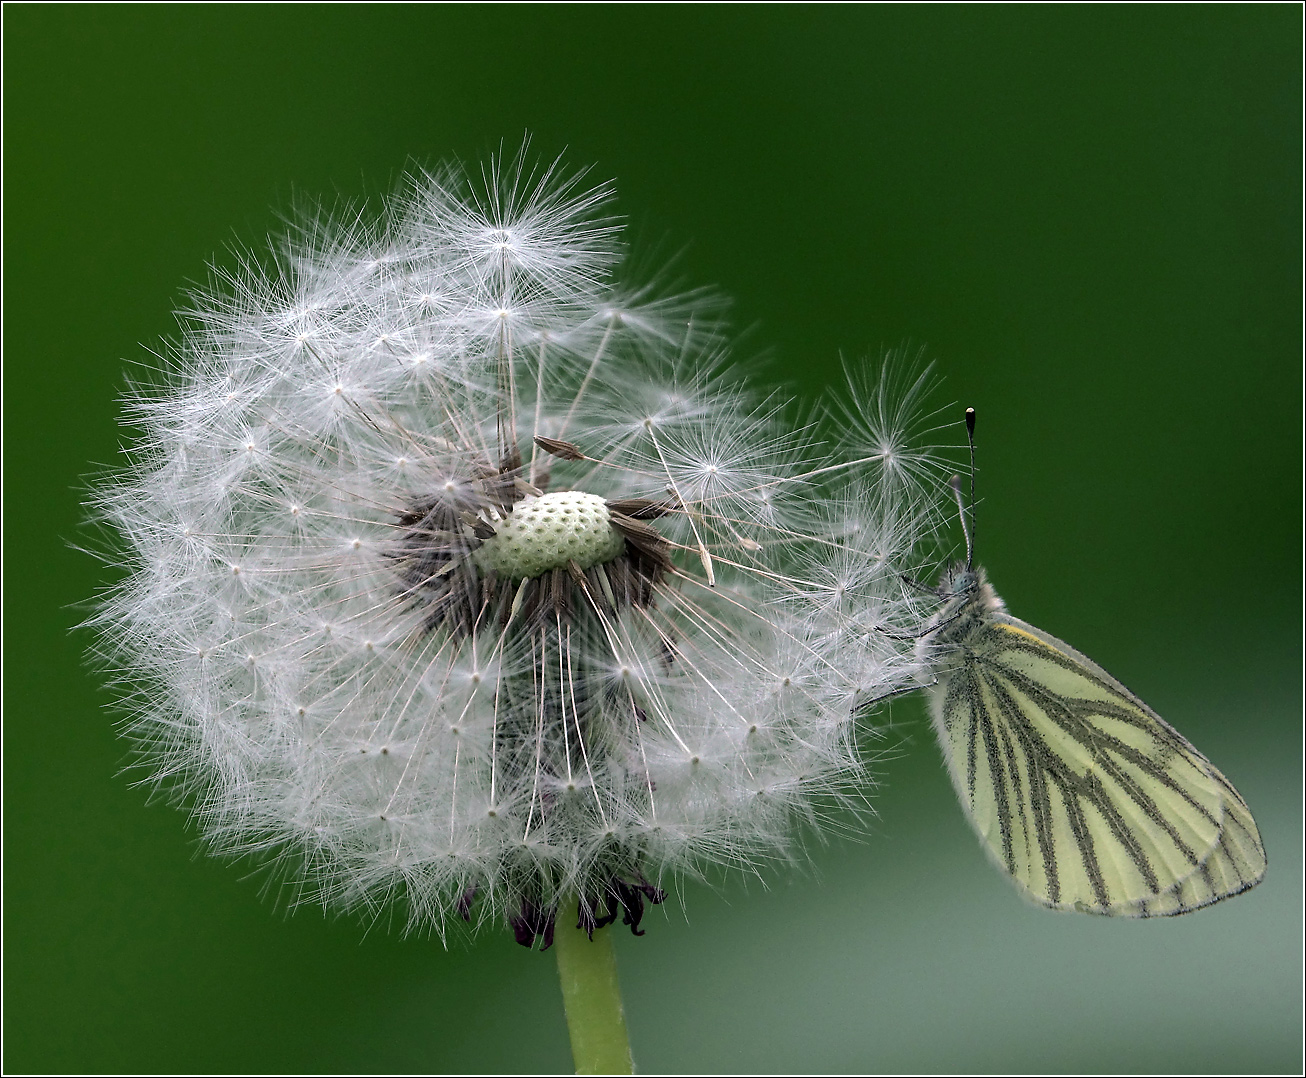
(546, 532)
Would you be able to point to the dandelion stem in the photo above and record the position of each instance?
(592, 998)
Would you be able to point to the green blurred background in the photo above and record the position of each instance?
(1091, 217)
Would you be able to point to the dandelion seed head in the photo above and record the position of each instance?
(462, 576)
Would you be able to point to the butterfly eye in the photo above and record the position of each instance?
(962, 582)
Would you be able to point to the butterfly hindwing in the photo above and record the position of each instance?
(1078, 789)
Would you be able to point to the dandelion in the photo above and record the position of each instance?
(467, 581)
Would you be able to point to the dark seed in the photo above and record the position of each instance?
(559, 448)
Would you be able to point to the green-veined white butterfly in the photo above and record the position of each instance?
(1084, 794)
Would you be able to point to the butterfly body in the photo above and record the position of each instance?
(1077, 789)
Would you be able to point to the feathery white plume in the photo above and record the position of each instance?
(461, 574)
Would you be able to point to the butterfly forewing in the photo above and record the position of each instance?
(1077, 788)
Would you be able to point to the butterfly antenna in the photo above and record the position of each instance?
(965, 512)
(955, 483)
(970, 438)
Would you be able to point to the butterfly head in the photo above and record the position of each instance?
(960, 581)
(967, 601)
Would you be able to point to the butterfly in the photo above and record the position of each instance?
(1086, 797)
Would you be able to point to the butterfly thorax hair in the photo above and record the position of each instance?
(968, 602)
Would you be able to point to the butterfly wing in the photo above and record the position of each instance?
(1086, 796)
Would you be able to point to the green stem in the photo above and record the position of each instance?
(592, 998)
